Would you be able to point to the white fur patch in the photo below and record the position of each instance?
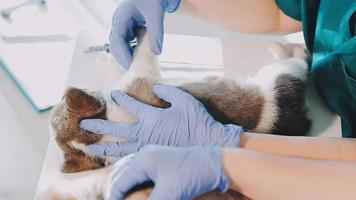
(88, 185)
(77, 145)
(270, 110)
(108, 160)
(106, 138)
(265, 79)
(293, 66)
(144, 65)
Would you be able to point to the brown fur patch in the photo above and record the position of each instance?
(77, 105)
(228, 102)
(141, 89)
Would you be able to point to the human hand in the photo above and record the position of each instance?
(186, 123)
(178, 173)
(133, 13)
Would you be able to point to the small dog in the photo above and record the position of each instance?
(270, 102)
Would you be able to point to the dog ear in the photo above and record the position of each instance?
(78, 161)
(79, 101)
(71, 164)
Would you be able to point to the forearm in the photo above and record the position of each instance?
(261, 175)
(257, 16)
(305, 147)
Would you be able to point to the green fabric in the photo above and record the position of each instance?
(327, 30)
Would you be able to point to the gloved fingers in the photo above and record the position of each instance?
(129, 104)
(155, 32)
(106, 127)
(124, 177)
(114, 149)
(120, 49)
(168, 93)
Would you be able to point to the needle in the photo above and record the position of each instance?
(105, 47)
(98, 48)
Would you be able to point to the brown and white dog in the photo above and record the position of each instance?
(270, 102)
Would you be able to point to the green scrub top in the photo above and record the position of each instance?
(329, 32)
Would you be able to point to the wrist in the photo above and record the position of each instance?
(219, 179)
(227, 135)
(171, 5)
(224, 179)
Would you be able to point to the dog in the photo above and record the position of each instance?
(270, 102)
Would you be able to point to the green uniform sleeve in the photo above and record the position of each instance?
(292, 8)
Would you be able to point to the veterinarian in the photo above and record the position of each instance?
(265, 166)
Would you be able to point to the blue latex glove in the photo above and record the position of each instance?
(178, 173)
(186, 123)
(133, 13)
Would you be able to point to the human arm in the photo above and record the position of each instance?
(260, 175)
(323, 148)
(250, 16)
(183, 173)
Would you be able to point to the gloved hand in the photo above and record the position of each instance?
(186, 123)
(178, 173)
(133, 13)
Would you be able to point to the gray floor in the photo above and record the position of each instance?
(24, 139)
